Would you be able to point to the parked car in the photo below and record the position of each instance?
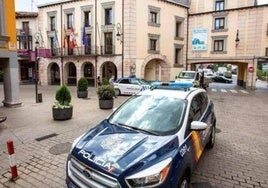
(221, 79)
(130, 85)
(193, 77)
(154, 139)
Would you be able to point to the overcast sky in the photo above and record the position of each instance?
(30, 5)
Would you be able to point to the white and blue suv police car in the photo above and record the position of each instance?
(154, 139)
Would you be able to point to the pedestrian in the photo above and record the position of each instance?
(111, 80)
(99, 81)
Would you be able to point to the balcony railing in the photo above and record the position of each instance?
(83, 51)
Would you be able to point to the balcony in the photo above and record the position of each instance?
(25, 31)
(83, 51)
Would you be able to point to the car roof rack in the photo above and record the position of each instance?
(172, 85)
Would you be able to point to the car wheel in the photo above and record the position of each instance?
(184, 182)
(212, 137)
(117, 92)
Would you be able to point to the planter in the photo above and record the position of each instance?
(62, 114)
(106, 104)
(82, 94)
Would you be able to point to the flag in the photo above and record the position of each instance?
(55, 39)
(72, 41)
(84, 38)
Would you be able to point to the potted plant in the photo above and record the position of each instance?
(82, 86)
(105, 95)
(62, 109)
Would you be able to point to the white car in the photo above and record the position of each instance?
(130, 86)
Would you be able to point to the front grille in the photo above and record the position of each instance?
(85, 176)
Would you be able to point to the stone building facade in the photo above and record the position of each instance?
(236, 33)
(120, 38)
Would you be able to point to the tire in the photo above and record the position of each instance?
(184, 181)
(117, 92)
(212, 137)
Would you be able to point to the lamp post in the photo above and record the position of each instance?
(120, 38)
(36, 75)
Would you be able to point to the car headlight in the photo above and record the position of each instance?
(150, 177)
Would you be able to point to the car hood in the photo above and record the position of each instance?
(115, 149)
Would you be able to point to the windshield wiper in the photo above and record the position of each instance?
(137, 129)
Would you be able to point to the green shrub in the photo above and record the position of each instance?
(63, 97)
(106, 92)
(105, 81)
(82, 84)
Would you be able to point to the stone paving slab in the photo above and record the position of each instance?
(239, 158)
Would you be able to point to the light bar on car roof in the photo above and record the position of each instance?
(172, 85)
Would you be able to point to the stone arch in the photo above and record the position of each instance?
(88, 71)
(53, 73)
(108, 69)
(70, 74)
(160, 66)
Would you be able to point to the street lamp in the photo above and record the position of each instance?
(36, 75)
(120, 38)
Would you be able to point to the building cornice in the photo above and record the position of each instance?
(228, 10)
(26, 14)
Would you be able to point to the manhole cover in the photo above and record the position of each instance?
(201, 185)
(60, 148)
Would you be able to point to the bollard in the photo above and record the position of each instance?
(12, 162)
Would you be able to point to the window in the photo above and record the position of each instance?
(87, 19)
(219, 5)
(178, 57)
(52, 23)
(153, 16)
(218, 45)
(25, 27)
(219, 23)
(69, 21)
(153, 43)
(108, 42)
(179, 28)
(25, 42)
(108, 16)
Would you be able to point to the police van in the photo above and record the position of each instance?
(154, 139)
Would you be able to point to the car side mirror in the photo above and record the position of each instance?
(198, 126)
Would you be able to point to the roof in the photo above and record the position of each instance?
(26, 14)
(53, 3)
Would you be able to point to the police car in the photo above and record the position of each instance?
(130, 85)
(154, 139)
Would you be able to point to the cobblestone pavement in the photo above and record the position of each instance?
(239, 158)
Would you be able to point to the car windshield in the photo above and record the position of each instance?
(187, 75)
(158, 115)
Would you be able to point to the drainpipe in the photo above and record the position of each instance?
(187, 38)
(61, 54)
(96, 51)
(123, 33)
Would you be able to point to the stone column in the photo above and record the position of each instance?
(11, 81)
